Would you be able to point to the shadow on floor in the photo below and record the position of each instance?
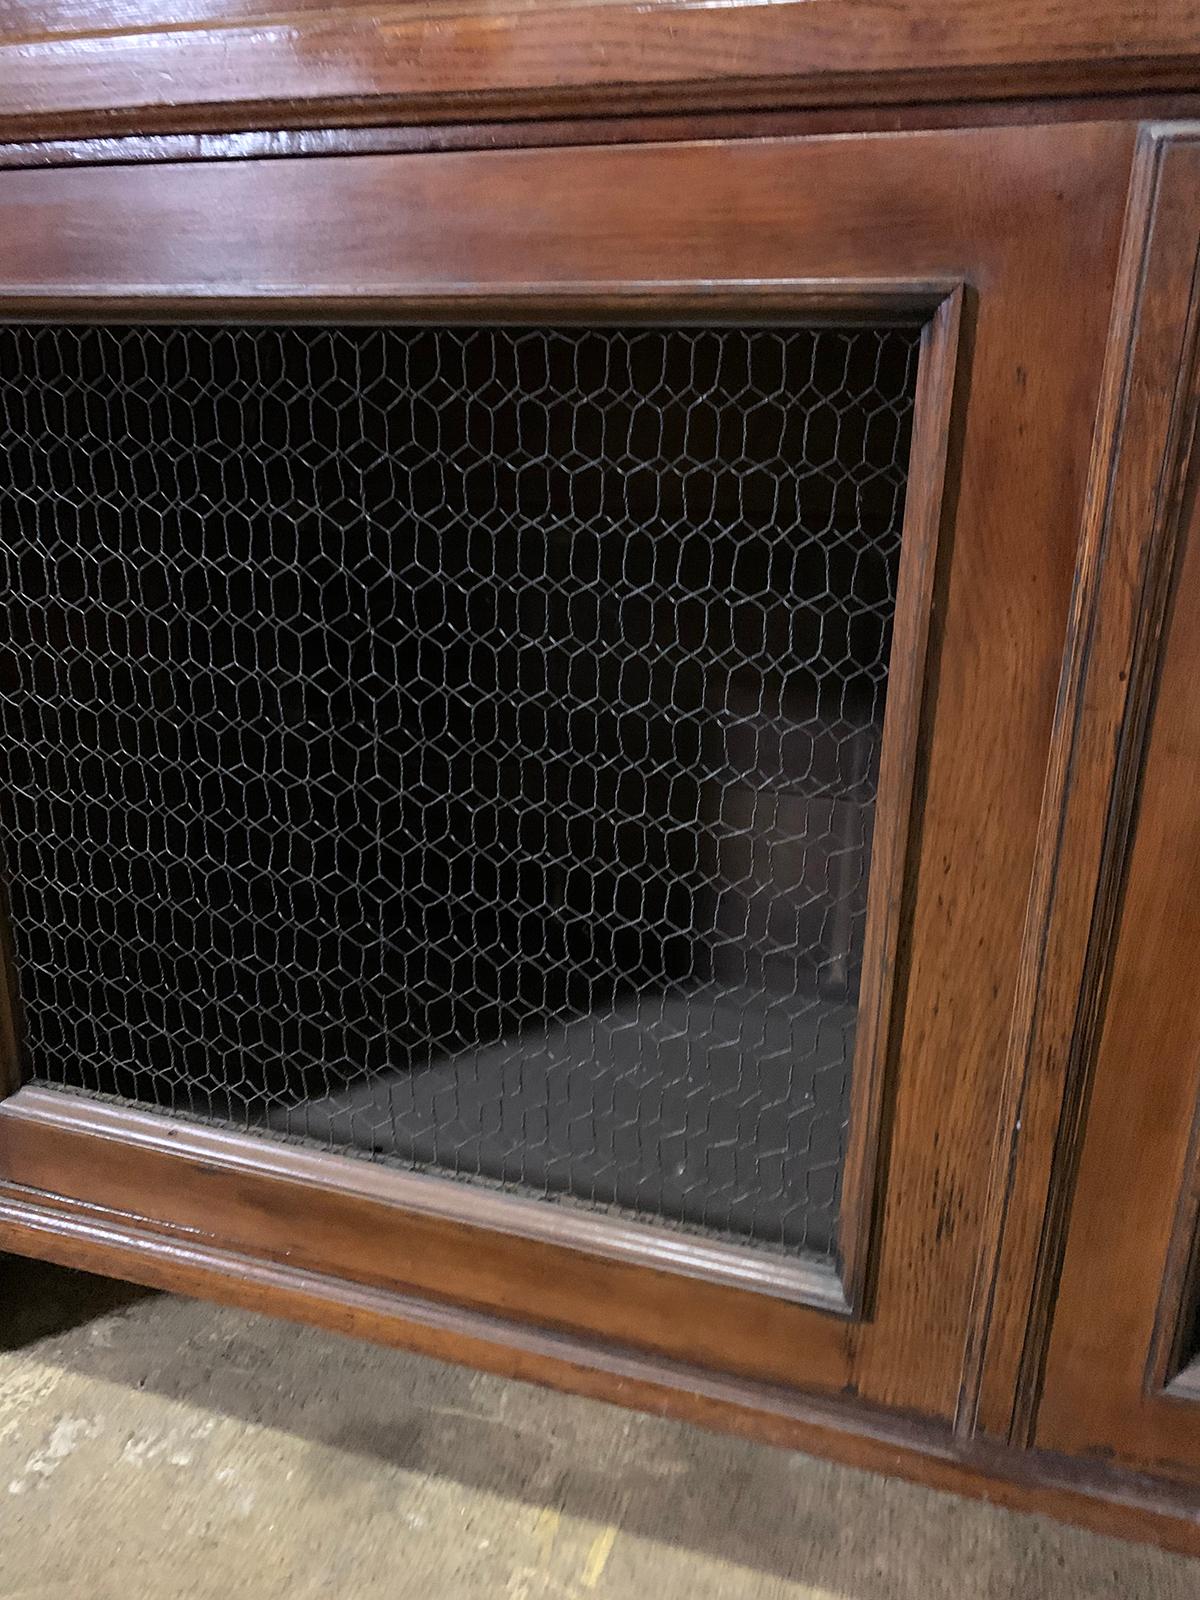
(360, 1410)
(38, 1300)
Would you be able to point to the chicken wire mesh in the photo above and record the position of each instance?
(457, 746)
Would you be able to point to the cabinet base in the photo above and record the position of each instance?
(1089, 1495)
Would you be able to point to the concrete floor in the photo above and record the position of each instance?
(157, 1449)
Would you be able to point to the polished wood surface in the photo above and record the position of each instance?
(1030, 218)
(1109, 661)
(431, 138)
(36, 1118)
(344, 1218)
(927, 513)
(72, 69)
(1134, 1209)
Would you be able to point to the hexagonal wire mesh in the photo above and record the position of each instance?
(458, 745)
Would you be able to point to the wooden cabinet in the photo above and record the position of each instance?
(595, 716)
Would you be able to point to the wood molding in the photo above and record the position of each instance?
(66, 71)
(356, 1220)
(928, 509)
(91, 1239)
(490, 1210)
(10, 1006)
(1173, 1359)
(1109, 1090)
(843, 301)
(1126, 561)
(1030, 218)
(1171, 1366)
(278, 144)
(1127, 1244)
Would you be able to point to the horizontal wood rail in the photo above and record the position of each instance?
(66, 71)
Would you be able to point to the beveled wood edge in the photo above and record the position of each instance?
(736, 301)
(805, 1280)
(1028, 1012)
(652, 127)
(1103, 856)
(928, 508)
(1126, 1505)
(465, 62)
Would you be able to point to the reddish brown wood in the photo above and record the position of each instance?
(799, 1279)
(76, 69)
(1124, 1269)
(1031, 219)
(345, 1219)
(1022, 1193)
(268, 144)
(926, 511)
(416, 1194)
(1091, 779)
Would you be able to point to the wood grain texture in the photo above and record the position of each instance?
(420, 1194)
(40, 19)
(347, 1219)
(1125, 549)
(77, 69)
(1030, 219)
(927, 510)
(1124, 1267)
(797, 1278)
(1095, 1497)
(273, 144)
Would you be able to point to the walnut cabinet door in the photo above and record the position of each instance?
(525, 702)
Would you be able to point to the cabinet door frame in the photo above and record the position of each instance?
(1014, 232)
(1105, 1370)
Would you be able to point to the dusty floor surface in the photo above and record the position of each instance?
(153, 1448)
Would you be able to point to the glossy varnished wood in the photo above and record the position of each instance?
(1029, 219)
(74, 69)
(928, 510)
(1125, 551)
(347, 1218)
(1134, 1205)
(10, 1007)
(935, 307)
(39, 1121)
(642, 127)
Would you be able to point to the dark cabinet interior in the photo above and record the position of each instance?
(459, 744)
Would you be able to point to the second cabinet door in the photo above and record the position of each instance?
(1122, 1374)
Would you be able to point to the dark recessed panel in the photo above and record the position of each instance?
(458, 745)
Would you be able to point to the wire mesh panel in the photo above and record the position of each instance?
(458, 746)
